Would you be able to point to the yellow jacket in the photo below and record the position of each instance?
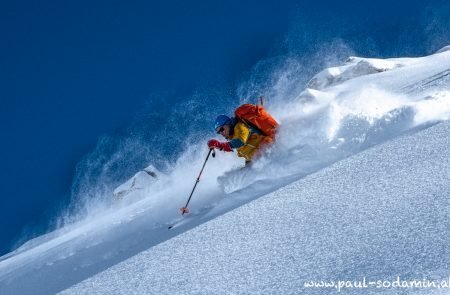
(247, 140)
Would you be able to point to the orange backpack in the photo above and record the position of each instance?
(256, 116)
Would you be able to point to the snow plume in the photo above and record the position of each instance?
(99, 172)
(434, 108)
(342, 111)
(281, 78)
(172, 137)
(357, 105)
(161, 135)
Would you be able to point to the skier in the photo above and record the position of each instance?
(242, 134)
(248, 132)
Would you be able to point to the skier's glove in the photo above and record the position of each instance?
(223, 146)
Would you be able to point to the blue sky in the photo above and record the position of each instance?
(73, 71)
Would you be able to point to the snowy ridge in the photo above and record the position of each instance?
(362, 104)
(354, 67)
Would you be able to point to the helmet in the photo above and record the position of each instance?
(222, 120)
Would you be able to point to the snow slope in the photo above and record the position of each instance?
(344, 111)
(380, 214)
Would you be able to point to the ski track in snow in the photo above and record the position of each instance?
(354, 107)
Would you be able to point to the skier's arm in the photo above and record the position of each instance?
(240, 136)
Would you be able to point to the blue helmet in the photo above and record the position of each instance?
(222, 120)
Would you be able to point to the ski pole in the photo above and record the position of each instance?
(185, 209)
